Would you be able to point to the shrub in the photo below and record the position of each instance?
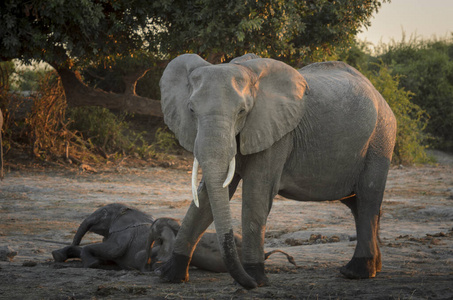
(426, 69)
(165, 140)
(46, 125)
(412, 120)
(81, 133)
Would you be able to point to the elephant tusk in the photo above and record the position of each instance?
(231, 169)
(194, 182)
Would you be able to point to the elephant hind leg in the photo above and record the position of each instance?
(65, 253)
(366, 208)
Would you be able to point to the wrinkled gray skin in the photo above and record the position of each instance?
(1, 146)
(206, 255)
(125, 231)
(320, 133)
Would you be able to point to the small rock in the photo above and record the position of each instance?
(440, 234)
(334, 239)
(87, 168)
(29, 263)
(436, 242)
(316, 237)
(7, 253)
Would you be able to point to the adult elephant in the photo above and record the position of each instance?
(320, 133)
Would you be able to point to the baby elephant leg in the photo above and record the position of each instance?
(65, 253)
(93, 255)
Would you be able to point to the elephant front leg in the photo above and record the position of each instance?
(196, 221)
(254, 215)
(258, 193)
(260, 185)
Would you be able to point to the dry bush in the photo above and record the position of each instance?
(47, 126)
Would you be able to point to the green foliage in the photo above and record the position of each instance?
(28, 79)
(55, 30)
(52, 30)
(112, 133)
(165, 140)
(358, 55)
(101, 127)
(7, 69)
(411, 119)
(290, 30)
(81, 134)
(426, 69)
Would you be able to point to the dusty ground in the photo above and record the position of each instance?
(41, 208)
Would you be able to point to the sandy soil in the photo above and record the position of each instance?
(41, 209)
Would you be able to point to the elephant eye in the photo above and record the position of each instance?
(190, 107)
(242, 111)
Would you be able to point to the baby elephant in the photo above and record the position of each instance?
(125, 231)
(206, 255)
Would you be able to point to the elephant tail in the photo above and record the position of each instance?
(289, 257)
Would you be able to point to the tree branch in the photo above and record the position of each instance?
(79, 94)
(130, 80)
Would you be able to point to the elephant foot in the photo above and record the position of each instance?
(256, 271)
(59, 255)
(362, 268)
(89, 261)
(175, 270)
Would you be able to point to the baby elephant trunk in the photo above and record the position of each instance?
(81, 231)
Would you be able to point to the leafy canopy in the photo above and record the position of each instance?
(269, 28)
(84, 30)
(52, 30)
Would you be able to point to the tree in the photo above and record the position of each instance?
(288, 30)
(71, 35)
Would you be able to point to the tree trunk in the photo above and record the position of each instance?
(79, 94)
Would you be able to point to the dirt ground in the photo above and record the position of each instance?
(41, 209)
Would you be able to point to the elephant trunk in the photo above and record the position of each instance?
(82, 230)
(215, 158)
(226, 183)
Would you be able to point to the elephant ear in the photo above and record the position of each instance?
(175, 92)
(278, 106)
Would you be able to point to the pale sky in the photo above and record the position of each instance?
(425, 18)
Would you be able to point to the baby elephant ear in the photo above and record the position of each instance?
(279, 104)
(175, 93)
